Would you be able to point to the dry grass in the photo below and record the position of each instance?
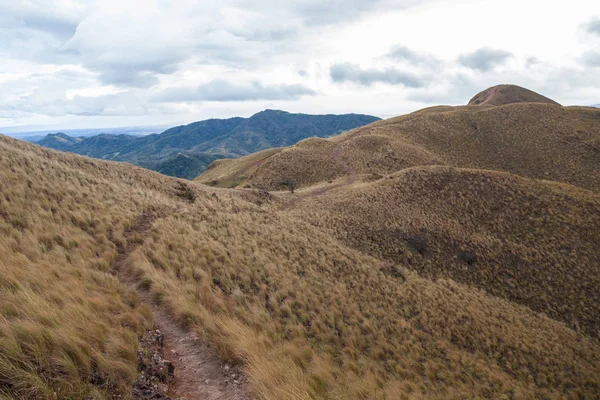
(306, 315)
(535, 140)
(532, 242)
(68, 329)
(310, 318)
(229, 172)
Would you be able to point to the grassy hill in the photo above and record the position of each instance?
(430, 282)
(304, 315)
(534, 140)
(532, 242)
(186, 151)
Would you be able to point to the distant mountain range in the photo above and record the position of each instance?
(33, 133)
(186, 151)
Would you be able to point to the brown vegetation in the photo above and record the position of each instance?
(383, 277)
(532, 242)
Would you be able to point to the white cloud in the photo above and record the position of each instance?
(224, 91)
(68, 61)
(484, 59)
(347, 72)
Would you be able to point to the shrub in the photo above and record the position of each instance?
(417, 243)
(184, 191)
(467, 257)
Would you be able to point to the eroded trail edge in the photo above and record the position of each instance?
(173, 362)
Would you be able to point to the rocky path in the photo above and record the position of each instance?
(174, 363)
(490, 96)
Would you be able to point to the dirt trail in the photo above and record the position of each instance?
(198, 373)
(490, 96)
(255, 164)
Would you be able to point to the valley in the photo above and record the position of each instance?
(185, 151)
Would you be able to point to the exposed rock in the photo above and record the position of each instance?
(155, 371)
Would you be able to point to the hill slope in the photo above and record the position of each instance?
(303, 314)
(204, 141)
(516, 238)
(535, 140)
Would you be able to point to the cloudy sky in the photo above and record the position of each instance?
(88, 64)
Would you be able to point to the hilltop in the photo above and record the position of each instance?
(508, 94)
(185, 151)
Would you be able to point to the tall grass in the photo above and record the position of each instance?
(305, 315)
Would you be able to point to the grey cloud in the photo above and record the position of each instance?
(532, 62)
(137, 75)
(128, 78)
(402, 53)
(222, 91)
(119, 104)
(347, 72)
(455, 89)
(61, 28)
(567, 85)
(131, 50)
(135, 62)
(43, 16)
(484, 59)
(318, 12)
(591, 58)
(47, 95)
(264, 34)
(326, 12)
(593, 27)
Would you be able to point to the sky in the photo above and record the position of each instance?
(93, 64)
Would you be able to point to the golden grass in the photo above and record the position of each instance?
(228, 172)
(532, 242)
(303, 313)
(64, 322)
(310, 318)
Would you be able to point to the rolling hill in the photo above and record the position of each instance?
(186, 151)
(418, 258)
(535, 140)
(492, 230)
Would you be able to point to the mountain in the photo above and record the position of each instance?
(186, 151)
(34, 133)
(59, 141)
(184, 166)
(418, 257)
